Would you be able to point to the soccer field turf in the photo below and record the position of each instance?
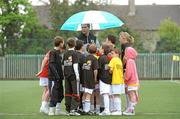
(158, 100)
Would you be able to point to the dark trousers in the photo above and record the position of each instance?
(71, 95)
(56, 92)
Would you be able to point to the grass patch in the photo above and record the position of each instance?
(158, 100)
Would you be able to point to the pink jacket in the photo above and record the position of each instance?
(131, 75)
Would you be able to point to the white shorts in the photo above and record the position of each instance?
(131, 88)
(117, 89)
(104, 88)
(43, 81)
(87, 90)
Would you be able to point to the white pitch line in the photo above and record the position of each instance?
(175, 81)
(157, 113)
(17, 114)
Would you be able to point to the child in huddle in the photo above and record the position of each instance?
(105, 78)
(117, 87)
(55, 76)
(90, 70)
(131, 80)
(111, 40)
(81, 57)
(72, 78)
(43, 75)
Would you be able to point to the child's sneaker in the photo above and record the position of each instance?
(87, 113)
(116, 113)
(104, 113)
(44, 110)
(74, 113)
(59, 112)
(51, 111)
(41, 109)
(67, 113)
(80, 111)
(97, 112)
(129, 112)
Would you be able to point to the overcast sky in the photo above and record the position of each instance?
(125, 2)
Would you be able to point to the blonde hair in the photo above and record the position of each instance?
(129, 38)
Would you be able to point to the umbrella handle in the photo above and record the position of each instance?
(91, 26)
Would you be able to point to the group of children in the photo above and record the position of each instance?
(90, 77)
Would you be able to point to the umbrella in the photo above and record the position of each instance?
(98, 20)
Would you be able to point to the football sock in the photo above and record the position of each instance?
(117, 103)
(97, 108)
(92, 107)
(112, 108)
(87, 106)
(58, 106)
(106, 101)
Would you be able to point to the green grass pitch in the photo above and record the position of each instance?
(158, 100)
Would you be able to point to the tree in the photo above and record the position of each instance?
(84, 5)
(169, 33)
(15, 15)
(36, 39)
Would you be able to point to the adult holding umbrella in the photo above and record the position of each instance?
(86, 36)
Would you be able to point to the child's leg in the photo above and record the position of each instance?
(46, 94)
(42, 97)
(81, 97)
(117, 102)
(87, 102)
(97, 96)
(133, 99)
(102, 103)
(127, 98)
(133, 96)
(45, 97)
(52, 103)
(68, 95)
(132, 102)
(58, 96)
(92, 107)
(44, 103)
(111, 101)
(75, 94)
(83, 100)
(106, 102)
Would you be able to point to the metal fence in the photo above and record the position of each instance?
(149, 66)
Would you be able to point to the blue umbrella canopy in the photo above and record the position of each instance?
(98, 20)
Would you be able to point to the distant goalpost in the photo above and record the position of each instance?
(175, 58)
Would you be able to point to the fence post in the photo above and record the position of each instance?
(145, 66)
(39, 63)
(4, 67)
